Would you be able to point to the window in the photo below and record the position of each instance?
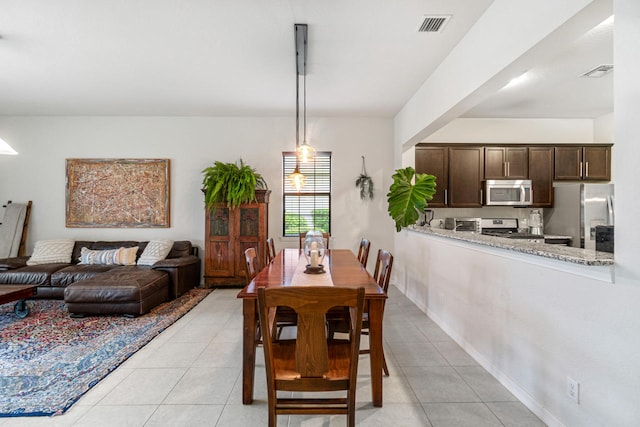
(311, 208)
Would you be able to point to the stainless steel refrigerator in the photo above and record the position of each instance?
(577, 209)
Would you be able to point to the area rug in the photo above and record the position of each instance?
(48, 360)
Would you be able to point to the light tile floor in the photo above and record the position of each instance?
(190, 375)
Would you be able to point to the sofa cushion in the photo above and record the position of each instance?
(52, 251)
(127, 256)
(122, 256)
(106, 257)
(155, 251)
(77, 272)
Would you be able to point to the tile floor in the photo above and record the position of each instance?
(190, 375)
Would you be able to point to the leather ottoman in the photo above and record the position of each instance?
(129, 291)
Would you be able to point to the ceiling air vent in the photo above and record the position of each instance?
(433, 23)
(598, 71)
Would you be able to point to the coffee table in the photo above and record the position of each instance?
(17, 293)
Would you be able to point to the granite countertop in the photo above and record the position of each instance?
(557, 252)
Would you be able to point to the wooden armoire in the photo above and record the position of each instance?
(228, 233)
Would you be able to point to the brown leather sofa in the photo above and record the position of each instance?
(109, 289)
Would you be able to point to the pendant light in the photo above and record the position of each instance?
(297, 179)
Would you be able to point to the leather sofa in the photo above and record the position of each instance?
(109, 289)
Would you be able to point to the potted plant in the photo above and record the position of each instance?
(230, 183)
(407, 200)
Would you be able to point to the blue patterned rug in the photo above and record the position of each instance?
(48, 360)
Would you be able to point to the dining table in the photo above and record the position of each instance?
(341, 269)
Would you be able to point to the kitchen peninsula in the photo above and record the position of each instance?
(557, 252)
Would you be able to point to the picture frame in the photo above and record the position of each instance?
(117, 193)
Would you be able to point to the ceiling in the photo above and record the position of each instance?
(237, 58)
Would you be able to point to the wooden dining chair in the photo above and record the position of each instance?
(271, 250)
(336, 322)
(325, 236)
(363, 251)
(382, 275)
(251, 263)
(313, 361)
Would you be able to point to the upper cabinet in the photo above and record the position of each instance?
(589, 162)
(458, 171)
(541, 176)
(461, 169)
(435, 161)
(465, 176)
(506, 162)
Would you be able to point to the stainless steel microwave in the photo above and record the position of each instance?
(508, 192)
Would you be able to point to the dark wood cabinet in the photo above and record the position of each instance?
(435, 161)
(229, 232)
(541, 160)
(597, 163)
(506, 163)
(458, 171)
(465, 176)
(591, 162)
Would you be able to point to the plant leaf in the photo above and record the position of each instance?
(407, 200)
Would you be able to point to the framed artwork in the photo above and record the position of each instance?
(117, 193)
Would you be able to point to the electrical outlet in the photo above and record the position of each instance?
(573, 389)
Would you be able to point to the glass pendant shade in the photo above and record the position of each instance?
(297, 180)
(305, 152)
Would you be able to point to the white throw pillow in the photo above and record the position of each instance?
(155, 251)
(52, 252)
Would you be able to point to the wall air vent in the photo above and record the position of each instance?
(598, 71)
(433, 23)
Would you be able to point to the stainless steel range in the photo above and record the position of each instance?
(508, 228)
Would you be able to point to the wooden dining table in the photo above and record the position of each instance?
(346, 272)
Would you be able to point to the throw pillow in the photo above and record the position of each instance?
(127, 256)
(52, 252)
(155, 251)
(105, 257)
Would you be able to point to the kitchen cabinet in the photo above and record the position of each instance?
(465, 176)
(541, 161)
(435, 161)
(458, 171)
(228, 233)
(592, 162)
(506, 162)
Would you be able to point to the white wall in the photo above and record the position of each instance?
(193, 143)
(531, 325)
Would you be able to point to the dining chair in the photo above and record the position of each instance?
(336, 322)
(363, 251)
(271, 250)
(325, 236)
(251, 261)
(313, 361)
(382, 275)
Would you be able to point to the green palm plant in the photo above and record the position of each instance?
(230, 183)
(406, 199)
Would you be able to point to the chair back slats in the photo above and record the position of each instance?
(382, 272)
(271, 250)
(251, 259)
(363, 251)
(312, 354)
